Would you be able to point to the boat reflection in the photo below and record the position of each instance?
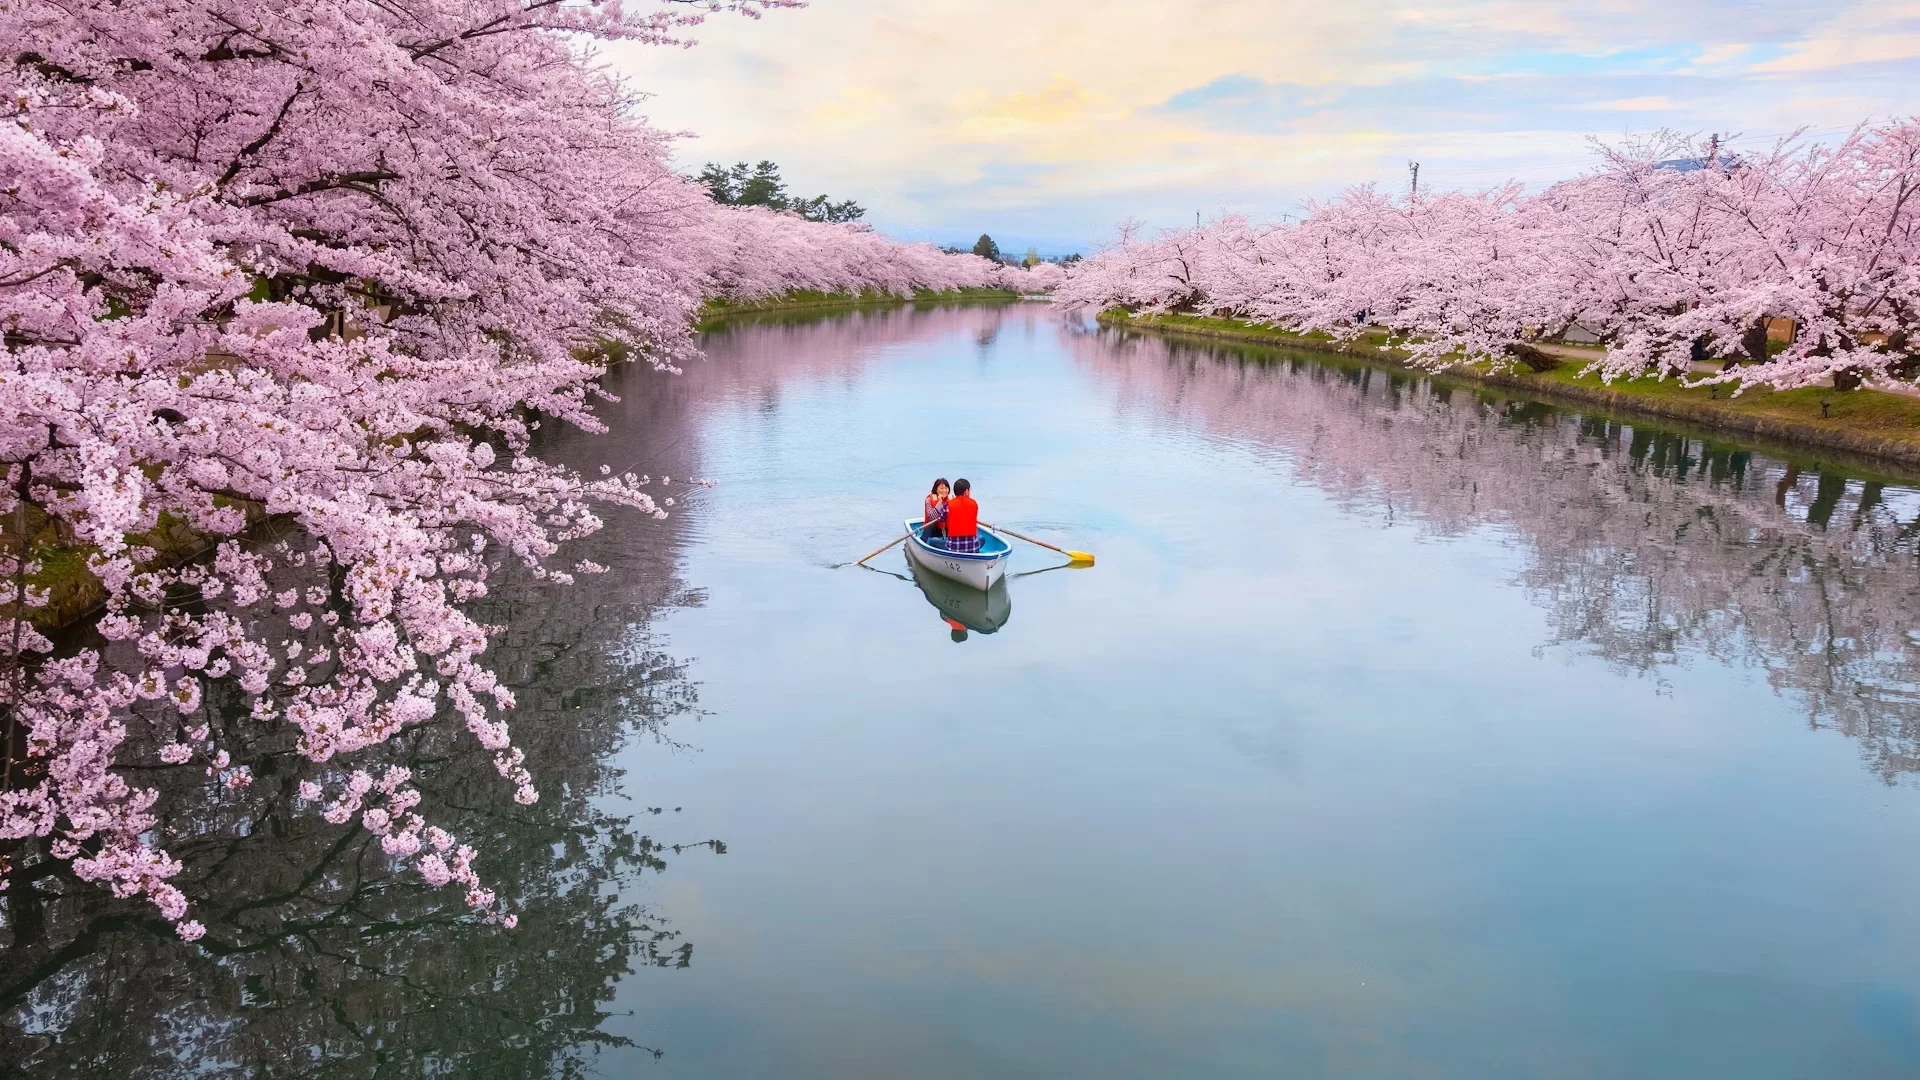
(962, 607)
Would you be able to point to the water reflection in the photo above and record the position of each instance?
(1646, 546)
(319, 958)
(962, 607)
(1387, 852)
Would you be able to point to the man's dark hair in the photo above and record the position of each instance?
(961, 487)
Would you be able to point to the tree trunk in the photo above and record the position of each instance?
(1534, 358)
(1846, 378)
(1907, 362)
(1754, 341)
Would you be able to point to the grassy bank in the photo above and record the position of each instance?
(807, 299)
(1868, 424)
(63, 571)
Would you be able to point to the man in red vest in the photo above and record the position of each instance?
(963, 518)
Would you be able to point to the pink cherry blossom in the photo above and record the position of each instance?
(1661, 263)
(401, 843)
(434, 869)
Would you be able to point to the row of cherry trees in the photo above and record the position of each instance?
(318, 271)
(1667, 250)
(754, 253)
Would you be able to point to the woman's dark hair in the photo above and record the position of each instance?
(961, 487)
(935, 489)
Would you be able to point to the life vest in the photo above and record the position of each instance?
(963, 516)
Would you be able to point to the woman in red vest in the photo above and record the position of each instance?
(933, 521)
(963, 518)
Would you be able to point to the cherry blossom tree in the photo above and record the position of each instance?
(286, 291)
(1828, 237)
(756, 253)
(1041, 277)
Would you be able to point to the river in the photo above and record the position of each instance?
(1401, 729)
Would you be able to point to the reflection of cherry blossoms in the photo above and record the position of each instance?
(325, 952)
(1646, 547)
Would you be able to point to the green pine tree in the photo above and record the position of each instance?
(761, 185)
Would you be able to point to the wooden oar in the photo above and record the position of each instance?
(890, 543)
(1076, 556)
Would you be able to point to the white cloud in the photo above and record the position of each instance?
(1048, 121)
(1877, 31)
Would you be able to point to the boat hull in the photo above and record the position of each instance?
(978, 570)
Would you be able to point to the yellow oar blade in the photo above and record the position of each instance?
(1081, 557)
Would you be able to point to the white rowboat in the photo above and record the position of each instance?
(979, 569)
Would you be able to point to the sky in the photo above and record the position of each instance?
(1046, 123)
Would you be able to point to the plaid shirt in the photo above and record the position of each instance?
(935, 510)
(964, 543)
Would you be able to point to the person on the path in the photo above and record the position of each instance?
(934, 518)
(963, 519)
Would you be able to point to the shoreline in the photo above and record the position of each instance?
(807, 300)
(1893, 439)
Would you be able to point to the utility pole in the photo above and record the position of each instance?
(1196, 219)
(1414, 168)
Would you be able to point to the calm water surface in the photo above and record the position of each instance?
(1399, 732)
